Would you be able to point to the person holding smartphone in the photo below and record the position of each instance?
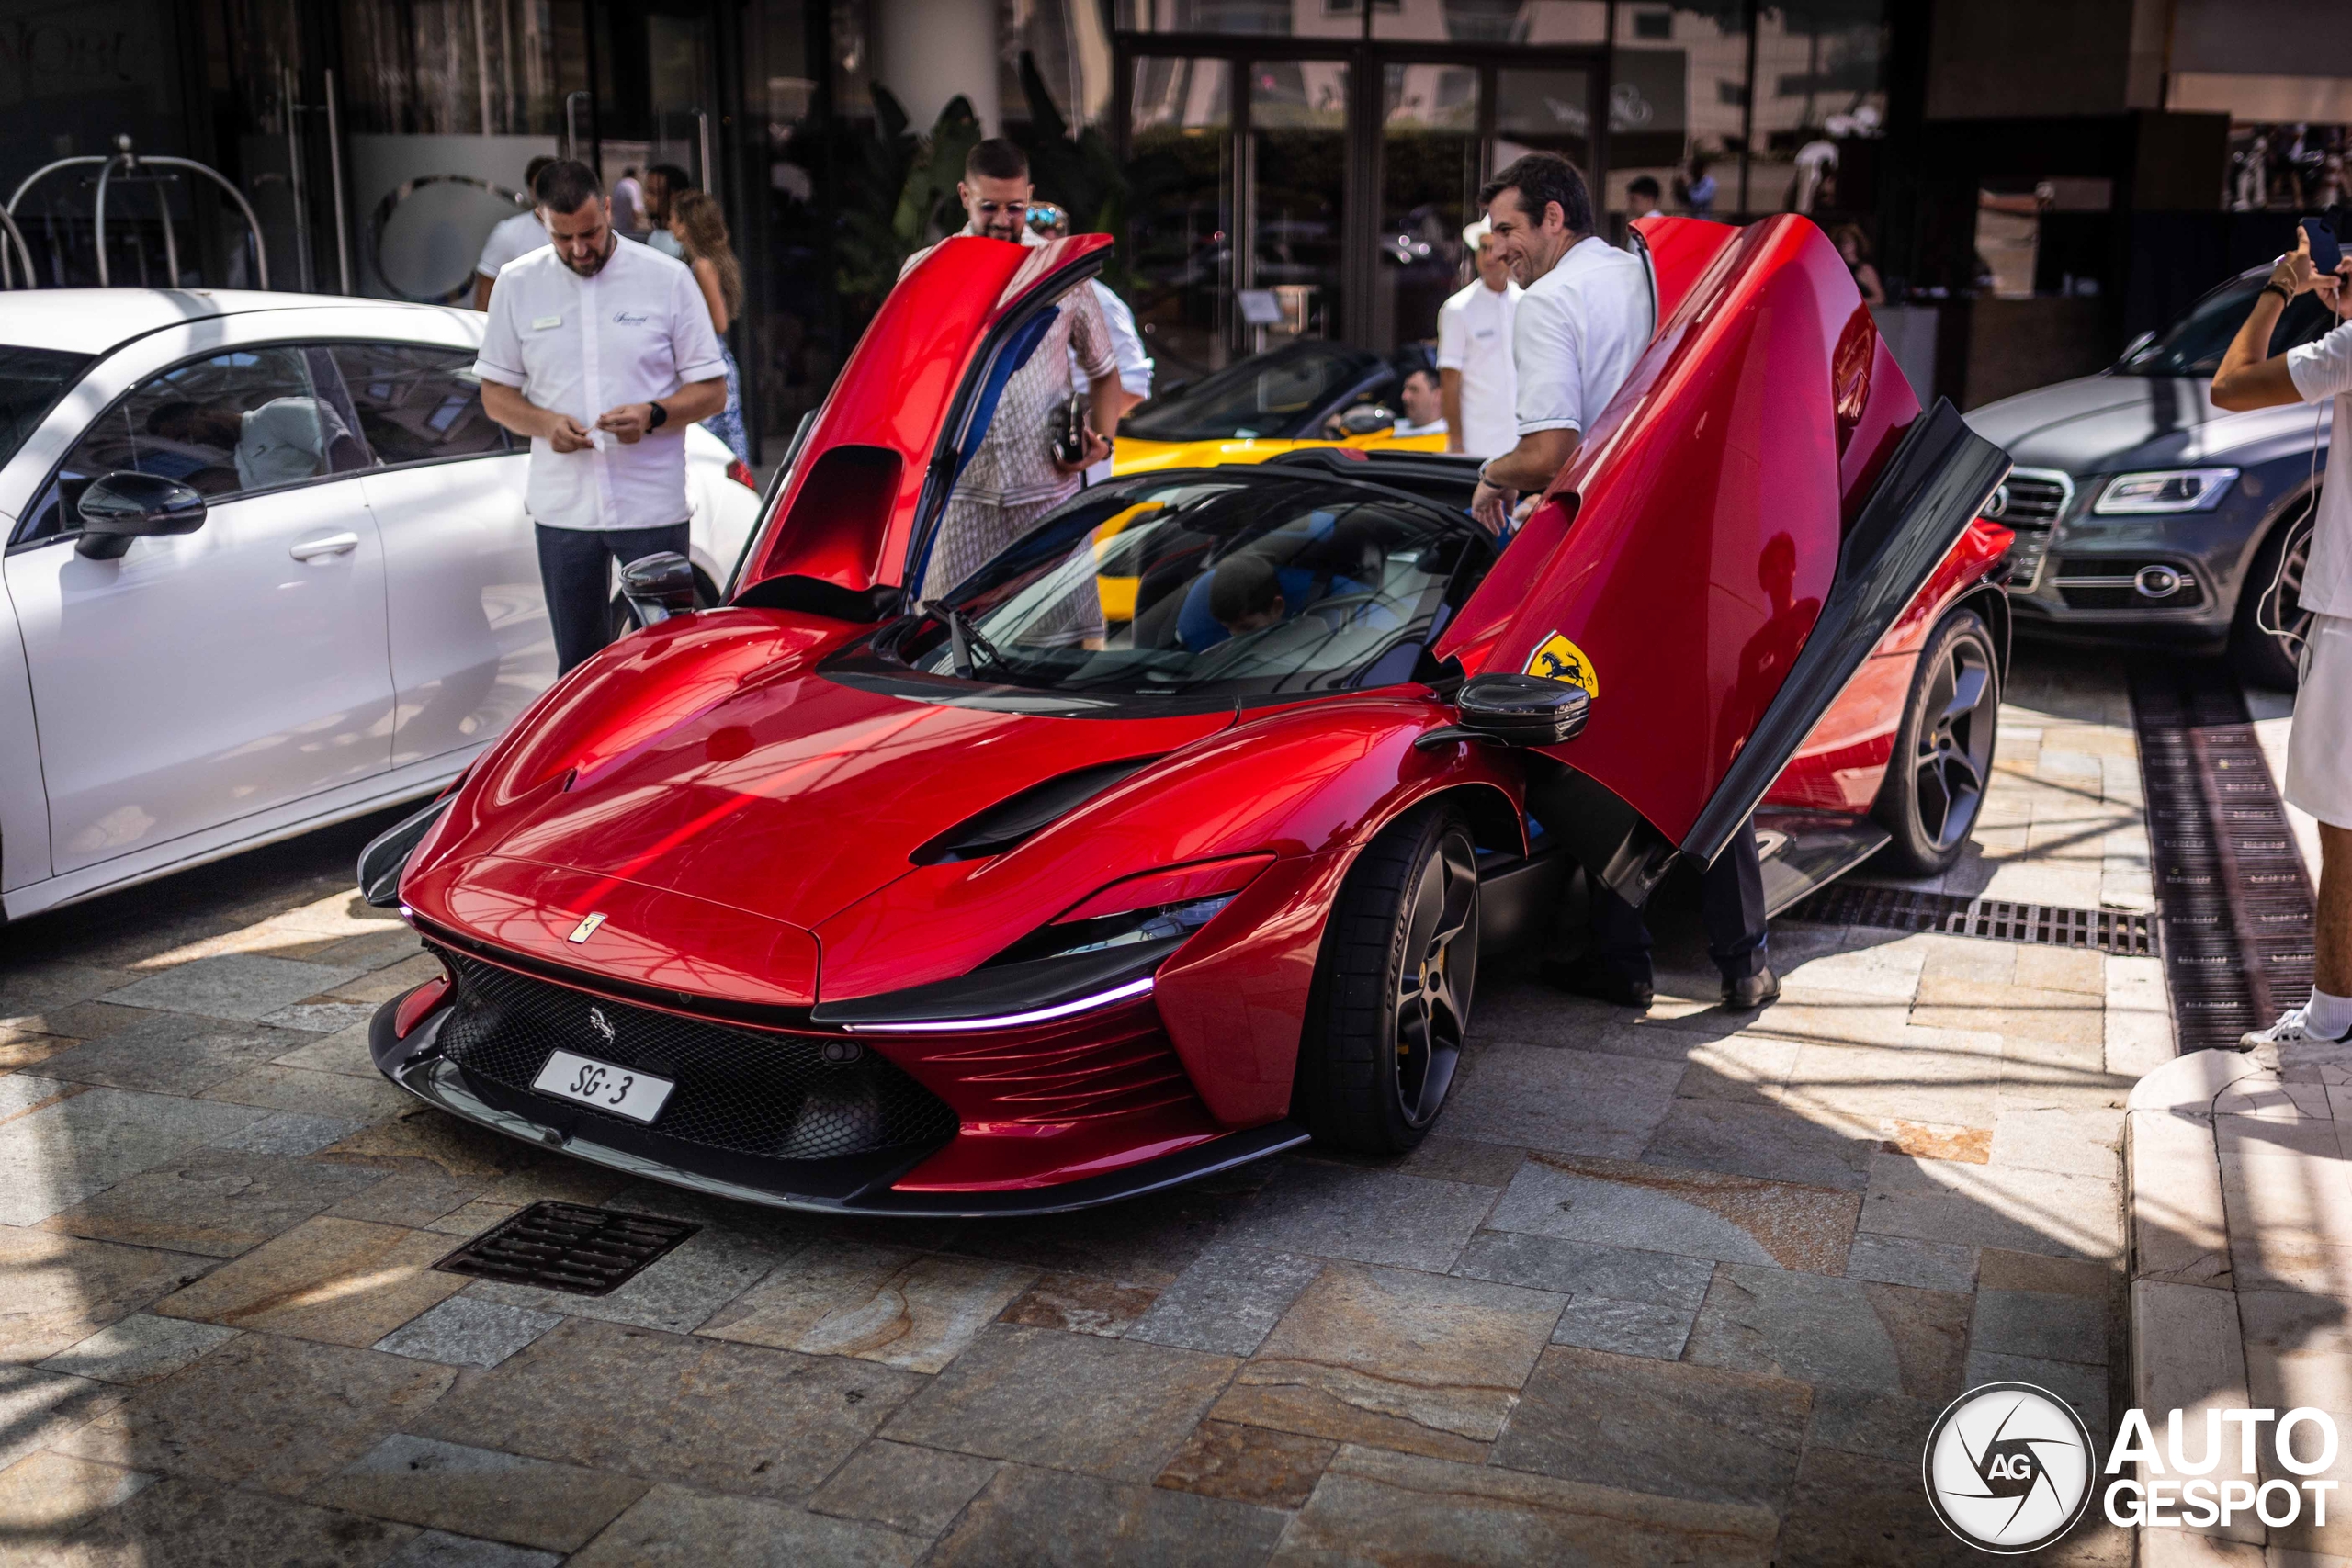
(2319, 754)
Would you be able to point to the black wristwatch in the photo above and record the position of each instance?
(661, 417)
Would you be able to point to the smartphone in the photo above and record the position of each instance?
(2326, 255)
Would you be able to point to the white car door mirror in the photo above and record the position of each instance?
(124, 506)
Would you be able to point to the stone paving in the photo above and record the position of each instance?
(1685, 1288)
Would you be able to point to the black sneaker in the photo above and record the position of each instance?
(1750, 992)
(1602, 982)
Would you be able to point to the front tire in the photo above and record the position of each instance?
(1380, 1052)
(2263, 657)
(1943, 750)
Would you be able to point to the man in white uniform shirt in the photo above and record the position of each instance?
(2319, 752)
(516, 236)
(1584, 320)
(1476, 377)
(601, 352)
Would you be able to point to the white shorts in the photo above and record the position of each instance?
(2319, 750)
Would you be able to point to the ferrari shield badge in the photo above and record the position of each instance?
(586, 928)
(1557, 659)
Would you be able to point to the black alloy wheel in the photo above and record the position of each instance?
(1943, 751)
(2267, 639)
(1400, 961)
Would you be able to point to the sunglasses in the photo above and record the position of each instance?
(990, 208)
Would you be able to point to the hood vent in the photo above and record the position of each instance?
(1009, 821)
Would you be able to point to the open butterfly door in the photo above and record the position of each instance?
(1741, 526)
(906, 413)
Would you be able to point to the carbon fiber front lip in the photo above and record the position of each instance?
(417, 1065)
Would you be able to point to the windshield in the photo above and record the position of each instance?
(1273, 394)
(31, 380)
(2194, 345)
(1238, 586)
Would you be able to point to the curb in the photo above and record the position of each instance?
(2186, 1351)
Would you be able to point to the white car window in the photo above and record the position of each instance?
(233, 424)
(418, 403)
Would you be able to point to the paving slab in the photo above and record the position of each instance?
(1736, 1219)
(480, 1492)
(264, 1413)
(1834, 1332)
(39, 1407)
(1374, 1507)
(902, 1309)
(48, 1496)
(1249, 1464)
(79, 1144)
(343, 1281)
(1033, 1516)
(1587, 1269)
(440, 1549)
(169, 1054)
(1078, 1304)
(1395, 1358)
(671, 1407)
(141, 1349)
(1229, 1301)
(1570, 1101)
(673, 1528)
(182, 1523)
(1118, 1408)
(463, 1332)
(916, 1490)
(1366, 1216)
(1703, 1434)
(218, 1201)
(60, 1290)
(234, 985)
(679, 1291)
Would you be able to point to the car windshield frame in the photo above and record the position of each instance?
(940, 650)
(54, 370)
(1211, 409)
(2192, 344)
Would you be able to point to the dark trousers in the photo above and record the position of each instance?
(1731, 906)
(575, 570)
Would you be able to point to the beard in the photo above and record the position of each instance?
(594, 263)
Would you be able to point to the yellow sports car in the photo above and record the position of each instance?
(1307, 394)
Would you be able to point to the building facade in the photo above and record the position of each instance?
(1273, 168)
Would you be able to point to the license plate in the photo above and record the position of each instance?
(624, 1091)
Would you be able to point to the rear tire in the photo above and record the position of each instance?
(2262, 658)
(1380, 1049)
(1943, 750)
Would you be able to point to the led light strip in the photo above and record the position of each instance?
(1127, 992)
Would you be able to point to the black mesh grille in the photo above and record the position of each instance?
(773, 1096)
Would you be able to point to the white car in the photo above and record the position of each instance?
(353, 614)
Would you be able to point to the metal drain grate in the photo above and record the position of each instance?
(2231, 885)
(2044, 925)
(562, 1247)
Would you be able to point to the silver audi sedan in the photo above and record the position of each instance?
(267, 566)
(2144, 514)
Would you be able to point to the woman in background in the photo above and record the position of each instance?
(700, 229)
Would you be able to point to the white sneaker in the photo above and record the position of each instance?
(2290, 1030)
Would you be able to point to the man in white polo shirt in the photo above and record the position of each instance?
(1584, 320)
(1478, 386)
(601, 352)
(516, 236)
(2319, 752)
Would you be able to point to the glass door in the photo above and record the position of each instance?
(1430, 164)
(1182, 227)
(1294, 201)
(1546, 108)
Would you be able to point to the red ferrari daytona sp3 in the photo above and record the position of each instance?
(1173, 836)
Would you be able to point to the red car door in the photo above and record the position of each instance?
(908, 411)
(1749, 515)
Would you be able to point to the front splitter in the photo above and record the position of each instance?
(416, 1065)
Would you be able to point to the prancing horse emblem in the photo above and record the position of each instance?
(585, 929)
(600, 1024)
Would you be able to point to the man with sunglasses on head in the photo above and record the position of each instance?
(1017, 476)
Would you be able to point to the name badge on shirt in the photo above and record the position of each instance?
(541, 323)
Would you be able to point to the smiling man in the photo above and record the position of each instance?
(601, 351)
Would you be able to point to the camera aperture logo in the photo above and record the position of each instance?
(2008, 1467)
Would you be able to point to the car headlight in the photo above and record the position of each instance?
(1158, 907)
(2165, 490)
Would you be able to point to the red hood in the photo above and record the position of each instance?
(730, 781)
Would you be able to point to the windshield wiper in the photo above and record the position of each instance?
(964, 639)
